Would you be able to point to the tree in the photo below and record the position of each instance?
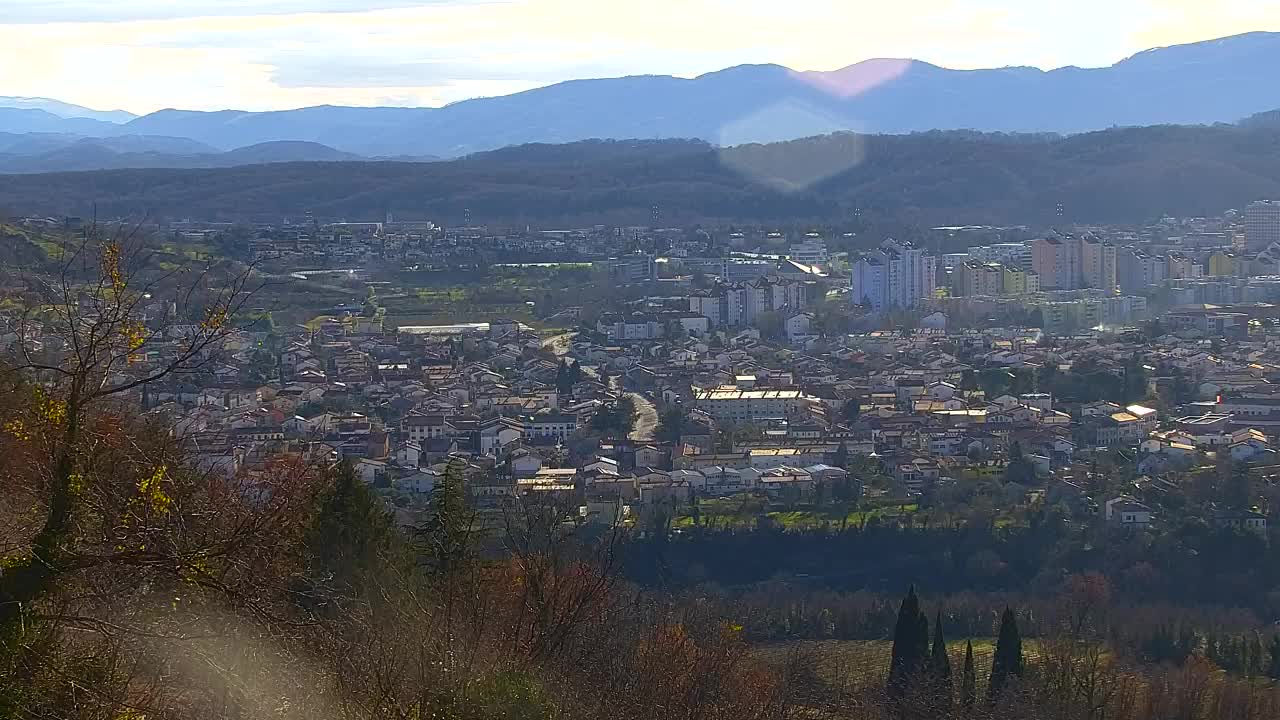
(968, 679)
(445, 536)
(910, 650)
(370, 308)
(940, 662)
(101, 287)
(841, 457)
(1008, 661)
(850, 410)
(1273, 667)
(671, 425)
(769, 324)
(564, 378)
(351, 539)
(1019, 470)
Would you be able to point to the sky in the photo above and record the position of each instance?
(145, 55)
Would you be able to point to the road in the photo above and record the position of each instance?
(646, 419)
(559, 344)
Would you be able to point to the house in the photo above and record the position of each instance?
(1125, 511)
(799, 326)
(648, 455)
(552, 481)
(723, 480)
(408, 454)
(787, 482)
(1251, 520)
(372, 472)
(421, 482)
(916, 473)
(524, 463)
(498, 433)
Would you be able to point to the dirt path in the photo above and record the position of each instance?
(646, 419)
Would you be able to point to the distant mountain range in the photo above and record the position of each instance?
(1201, 83)
(59, 152)
(65, 110)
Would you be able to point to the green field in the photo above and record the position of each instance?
(744, 512)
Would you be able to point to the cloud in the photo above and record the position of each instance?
(114, 11)
(273, 54)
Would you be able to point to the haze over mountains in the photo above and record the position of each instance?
(1124, 175)
(1213, 81)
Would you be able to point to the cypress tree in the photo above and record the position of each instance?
(1273, 668)
(940, 664)
(922, 642)
(908, 651)
(1008, 656)
(564, 378)
(969, 678)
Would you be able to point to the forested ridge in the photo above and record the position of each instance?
(1125, 175)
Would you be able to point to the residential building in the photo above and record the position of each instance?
(734, 405)
(974, 278)
(813, 250)
(1015, 280)
(1262, 224)
(1098, 264)
(897, 274)
(1136, 270)
(1126, 511)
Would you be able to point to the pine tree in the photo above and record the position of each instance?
(908, 652)
(351, 540)
(1273, 668)
(445, 536)
(1008, 656)
(968, 679)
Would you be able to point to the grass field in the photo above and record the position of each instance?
(743, 511)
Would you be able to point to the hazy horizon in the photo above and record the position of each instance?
(259, 55)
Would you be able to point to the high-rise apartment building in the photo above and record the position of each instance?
(1262, 224)
(897, 274)
(976, 278)
(1137, 270)
(1097, 265)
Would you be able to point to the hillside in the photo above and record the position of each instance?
(1123, 175)
(1201, 83)
(58, 152)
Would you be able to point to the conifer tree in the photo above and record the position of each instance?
(921, 639)
(446, 534)
(940, 664)
(350, 540)
(564, 378)
(908, 652)
(1008, 656)
(968, 679)
(1273, 668)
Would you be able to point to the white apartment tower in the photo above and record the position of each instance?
(1262, 224)
(897, 274)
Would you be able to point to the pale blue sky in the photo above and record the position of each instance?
(142, 55)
